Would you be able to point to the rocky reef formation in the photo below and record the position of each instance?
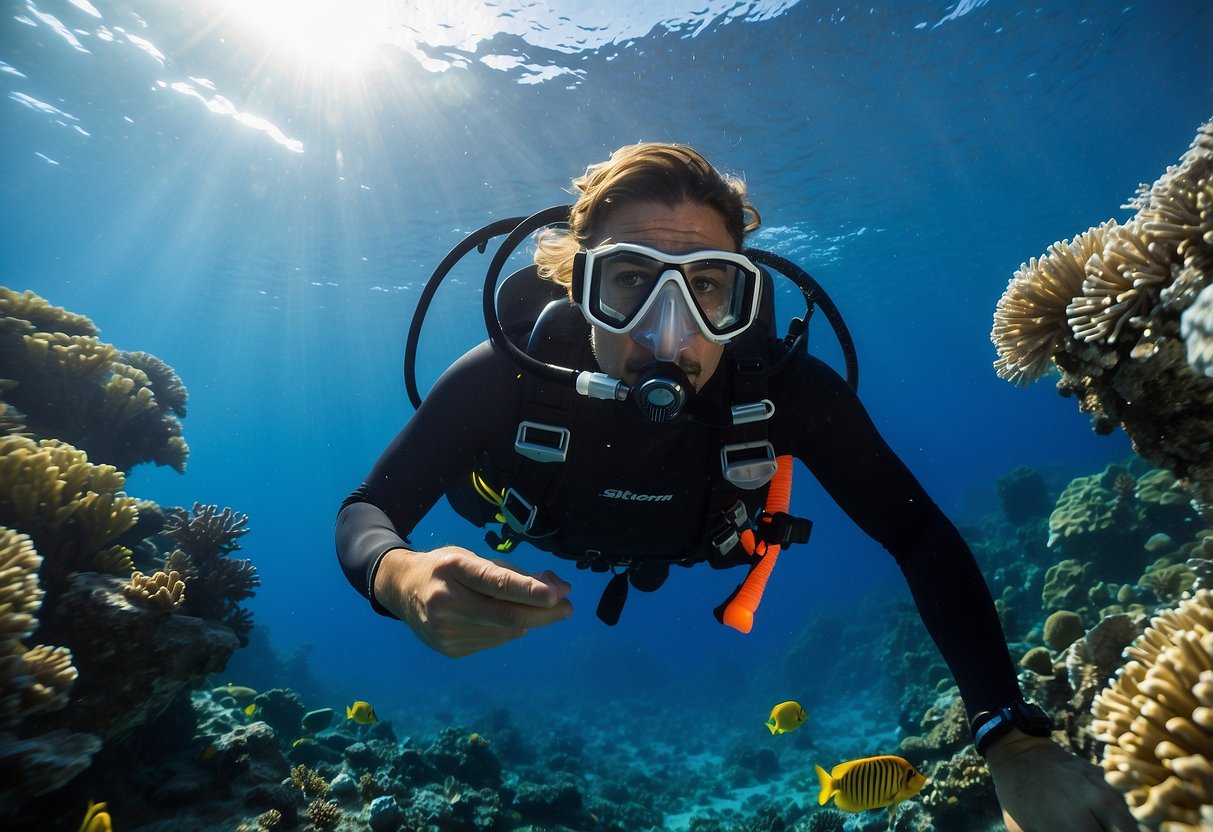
(1124, 312)
(127, 609)
(1077, 569)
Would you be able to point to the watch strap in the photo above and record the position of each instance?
(989, 726)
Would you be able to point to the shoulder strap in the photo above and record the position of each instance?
(545, 427)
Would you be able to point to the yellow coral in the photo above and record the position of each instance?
(71, 355)
(1156, 719)
(324, 814)
(29, 307)
(35, 680)
(52, 675)
(20, 594)
(308, 781)
(163, 590)
(50, 490)
(1084, 506)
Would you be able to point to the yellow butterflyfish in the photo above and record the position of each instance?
(250, 709)
(870, 783)
(786, 716)
(361, 712)
(96, 819)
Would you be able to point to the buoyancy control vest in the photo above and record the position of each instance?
(519, 494)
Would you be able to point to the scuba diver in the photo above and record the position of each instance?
(633, 411)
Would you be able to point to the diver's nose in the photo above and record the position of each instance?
(668, 327)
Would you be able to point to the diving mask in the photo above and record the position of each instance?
(663, 300)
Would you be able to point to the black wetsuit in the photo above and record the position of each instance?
(474, 408)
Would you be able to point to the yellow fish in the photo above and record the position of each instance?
(303, 741)
(235, 691)
(786, 716)
(361, 712)
(250, 709)
(208, 752)
(96, 819)
(870, 783)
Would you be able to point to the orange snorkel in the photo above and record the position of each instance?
(738, 610)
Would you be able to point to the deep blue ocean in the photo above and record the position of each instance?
(257, 198)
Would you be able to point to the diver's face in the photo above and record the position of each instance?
(681, 229)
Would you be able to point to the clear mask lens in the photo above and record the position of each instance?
(668, 327)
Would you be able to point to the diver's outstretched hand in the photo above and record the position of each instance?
(459, 603)
(1044, 788)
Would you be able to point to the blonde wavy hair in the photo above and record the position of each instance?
(669, 174)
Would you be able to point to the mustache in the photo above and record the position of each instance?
(688, 365)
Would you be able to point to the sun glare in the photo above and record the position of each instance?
(339, 33)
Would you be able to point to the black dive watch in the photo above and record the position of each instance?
(988, 726)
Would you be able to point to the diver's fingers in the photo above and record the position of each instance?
(547, 576)
(505, 584)
(507, 615)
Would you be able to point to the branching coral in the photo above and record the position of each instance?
(216, 583)
(206, 533)
(1157, 719)
(69, 385)
(324, 814)
(1117, 338)
(162, 591)
(308, 781)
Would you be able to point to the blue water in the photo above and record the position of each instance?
(263, 220)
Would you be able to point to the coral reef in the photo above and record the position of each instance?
(126, 644)
(216, 583)
(1112, 310)
(32, 682)
(119, 408)
(1157, 719)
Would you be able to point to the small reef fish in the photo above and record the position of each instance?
(786, 716)
(235, 691)
(303, 741)
(317, 720)
(208, 752)
(870, 783)
(96, 819)
(251, 709)
(361, 712)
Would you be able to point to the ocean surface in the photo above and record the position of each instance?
(256, 193)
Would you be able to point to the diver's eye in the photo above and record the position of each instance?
(629, 280)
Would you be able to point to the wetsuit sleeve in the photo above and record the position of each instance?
(474, 402)
(834, 437)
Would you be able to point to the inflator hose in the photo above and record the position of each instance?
(739, 612)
